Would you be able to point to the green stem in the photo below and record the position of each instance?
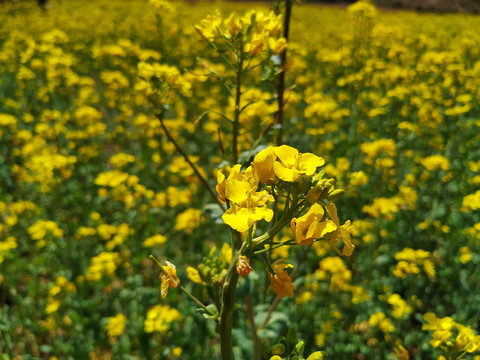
(190, 163)
(276, 246)
(260, 240)
(236, 118)
(461, 355)
(226, 312)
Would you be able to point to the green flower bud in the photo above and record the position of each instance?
(317, 355)
(213, 252)
(300, 347)
(203, 271)
(292, 338)
(313, 194)
(317, 177)
(335, 194)
(278, 349)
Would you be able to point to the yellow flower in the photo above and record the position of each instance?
(277, 46)
(441, 327)
(473, 345)
(116, 325)
(309, 226)
(221, 186)
(188, 220)
(248, 206)
(464, 337)
(379, 320)
(262, 165)
(177, 351)
(435, 162)
(292, 164)
(121, 159)
(194, 275)
(317, 355)
(225, 254)
(466, 254)
(111, 178)
(402, 353)
(241, 219)
(169, 278)
(434, 323)
(159, 318)
(154, 240)
(104, 263)
(400, 306)
(341, 232)
(281, 282)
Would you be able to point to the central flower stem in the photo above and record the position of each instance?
(226, 312)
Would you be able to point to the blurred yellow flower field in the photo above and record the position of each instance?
(131, 128)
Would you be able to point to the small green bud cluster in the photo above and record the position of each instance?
(213, 269)
(288, 347)
(323, 189)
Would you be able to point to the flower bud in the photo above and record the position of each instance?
(300, 347)
(203, 272)
(292, 338)
(317, 355)
(317, 177)
(313, 194)
(335, 195)
(278, 349)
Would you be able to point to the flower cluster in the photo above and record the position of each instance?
(255, 30)
(443, 328)
(409, 261)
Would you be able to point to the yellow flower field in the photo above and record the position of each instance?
(145, 163)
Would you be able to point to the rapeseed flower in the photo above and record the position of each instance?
(159, 318)
(310, 226)
(281, 282)
(291, 164)
(116, 326)
(169, 278)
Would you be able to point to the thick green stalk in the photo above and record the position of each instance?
(226, 312)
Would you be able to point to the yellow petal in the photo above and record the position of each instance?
(308, 163)
(332, 212)
(285, 173)
(237, 218)
(327, 227)
(226, 253)
(287, 154)
(348, 246)
(236, 190)
(164, 286)
(263, 164)
(194, 275)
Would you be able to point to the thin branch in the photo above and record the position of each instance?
(192, 165)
